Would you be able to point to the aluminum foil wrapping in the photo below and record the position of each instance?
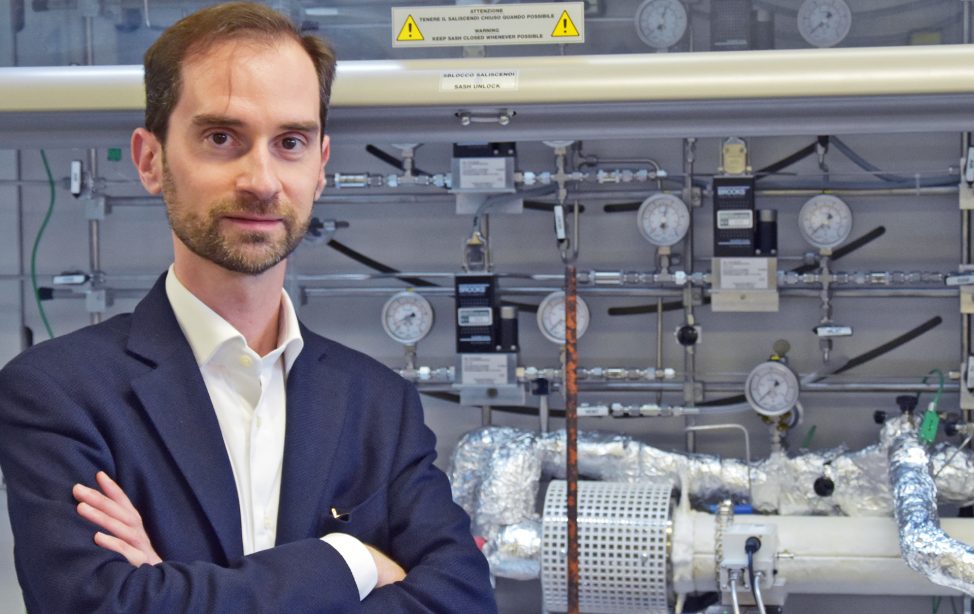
(515, 552)
(509, 486)
(470, 458)
(924, 545)
(953, 470)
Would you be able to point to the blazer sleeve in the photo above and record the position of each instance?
(429, 534)
(49, 441)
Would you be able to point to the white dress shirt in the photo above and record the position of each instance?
(248, 395)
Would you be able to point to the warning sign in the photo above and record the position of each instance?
(410, 31)
(496, 24)
(565, 26)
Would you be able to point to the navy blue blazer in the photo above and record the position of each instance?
(127, 397)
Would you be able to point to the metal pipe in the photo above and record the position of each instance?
(791, 73)
(571, 433)
(21, 275)
(689, 358)
(94, 227)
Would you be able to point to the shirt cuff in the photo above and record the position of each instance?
(359, 561)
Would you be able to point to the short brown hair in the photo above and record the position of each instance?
(198, 32)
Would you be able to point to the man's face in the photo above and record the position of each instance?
(243, 159)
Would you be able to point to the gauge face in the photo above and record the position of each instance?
(663, 219)
(661, 23)
(551, 317)
(824, 23)
(771, 388)
(407, 317)
(825, 221)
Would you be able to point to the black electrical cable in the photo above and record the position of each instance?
(392, 160)
(890, 345)
(375, 265)
(845, 250)
(534, 205)
(412, 281)
(751, 545)
(621, 207)
(801, 154)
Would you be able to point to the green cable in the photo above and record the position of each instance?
(808, 438)
(37, 243)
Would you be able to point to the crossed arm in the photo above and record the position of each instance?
(111, 510)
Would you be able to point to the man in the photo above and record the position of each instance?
(257, 466)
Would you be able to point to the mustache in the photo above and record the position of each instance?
(251, 205)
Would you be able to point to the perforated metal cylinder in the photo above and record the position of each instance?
(623, 534)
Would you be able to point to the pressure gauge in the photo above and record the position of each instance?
(824, 23)
(661, 23)
(407, 317)
(551, 317)
(771, 388)
(825, 221)
(663, 219)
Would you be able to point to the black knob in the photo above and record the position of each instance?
(540, 387)
(824, 487)
(879, 416)
(907, 403)
(950, 428)
(687, 335)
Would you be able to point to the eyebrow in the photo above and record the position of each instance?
(206, 120)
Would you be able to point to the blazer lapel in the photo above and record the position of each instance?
(176, 400)
(317, 395)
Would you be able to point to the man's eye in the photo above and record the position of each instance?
(220, 138)
(291, 143)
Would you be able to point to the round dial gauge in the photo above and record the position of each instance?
(771, 388)
(825, 221)
(824, 23)
(407, 317)
(661, 23)
(551, 317)
(663, 219)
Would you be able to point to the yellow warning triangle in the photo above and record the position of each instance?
(565, 26)
(410, 31)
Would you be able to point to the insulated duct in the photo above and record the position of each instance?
(926, 547)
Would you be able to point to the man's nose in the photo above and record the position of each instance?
(258, 174)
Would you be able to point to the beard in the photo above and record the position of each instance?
(251, 253)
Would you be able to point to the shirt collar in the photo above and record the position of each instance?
(206, 331)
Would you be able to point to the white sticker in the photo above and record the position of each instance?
(744, 273)
(530, 23)
(479, 80)
(735, 219)
(483, 173)
(592, 411)
(483, 369)
(970, 373)
(475, 316)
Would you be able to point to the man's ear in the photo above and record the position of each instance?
(325, 154)
(147, 157)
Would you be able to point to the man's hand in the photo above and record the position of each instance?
(111, 510)
(389, 570)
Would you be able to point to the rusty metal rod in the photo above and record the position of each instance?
(571, 431)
